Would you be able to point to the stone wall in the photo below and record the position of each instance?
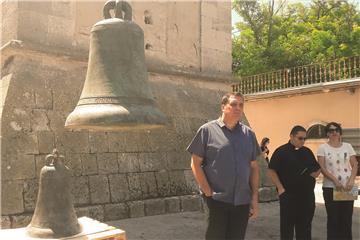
(114, 174)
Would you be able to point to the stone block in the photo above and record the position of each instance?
(116, 211)
(128, 162)
(209, 8)
(170, 107)
(163, 140)
(183, 143)
(76, 142)
(107, 163)
(181, 124)
(213, 37)
(177, 182)
(96, 212)
(117, 141)
(191, 183)
(151, 162)
(36, 7)
(61, 31)
(46, 141)
(99, 189)
(148, 185)
(57, 121)
(89, 163)
(39, 120)
(134, 186)
(98, 142)
(196, 123)
(31, 189)
(209, 110)
(178, 160)
(22, 98)
(80, 190)
(73, 162)
(35, 30)
(18, 166)
(154, 206)
(216, 61)
(190, 203)
(136, 209)
(65, 9)
(172, 204)
(8, 11)
(82, 212)
(178, 32)
(136, 141)
(200, 113)
(210, 99)
(21, 142)
(19, 221)
(5, 222)
(267, 194)
(163, 182)
(119, 188)
(66, 90)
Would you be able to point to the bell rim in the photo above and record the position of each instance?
(97, 117)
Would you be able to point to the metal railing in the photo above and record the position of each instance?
(338, 69)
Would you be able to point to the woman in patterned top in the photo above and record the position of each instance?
(339, 167)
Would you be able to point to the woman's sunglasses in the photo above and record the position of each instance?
(332, 130)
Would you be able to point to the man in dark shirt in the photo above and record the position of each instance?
(224, 164)
(293, 169)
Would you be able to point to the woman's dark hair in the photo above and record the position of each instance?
(264, 141)
(335, 124)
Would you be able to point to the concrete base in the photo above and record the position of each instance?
(91, 229)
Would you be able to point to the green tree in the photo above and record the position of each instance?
(275, 35)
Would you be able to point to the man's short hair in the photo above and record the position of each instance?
(335, 124)
(226, 97)
(297, 129)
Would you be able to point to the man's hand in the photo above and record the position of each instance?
(254, 209)
(281, 191)
(207, 193)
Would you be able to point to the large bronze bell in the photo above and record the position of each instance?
(116, 94)
(54, 214)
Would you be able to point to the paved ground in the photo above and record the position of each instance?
(191, 225)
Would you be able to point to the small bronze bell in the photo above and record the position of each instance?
(54, 214)
(116, 94)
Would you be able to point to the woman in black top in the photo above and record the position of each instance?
(264, 149)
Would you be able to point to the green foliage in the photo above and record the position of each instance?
(275, 35)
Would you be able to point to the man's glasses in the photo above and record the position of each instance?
(332, 130)
(301, 138)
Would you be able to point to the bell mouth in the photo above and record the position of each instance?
(113, 117)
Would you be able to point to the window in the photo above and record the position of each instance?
(147, 17)
(316, 131)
